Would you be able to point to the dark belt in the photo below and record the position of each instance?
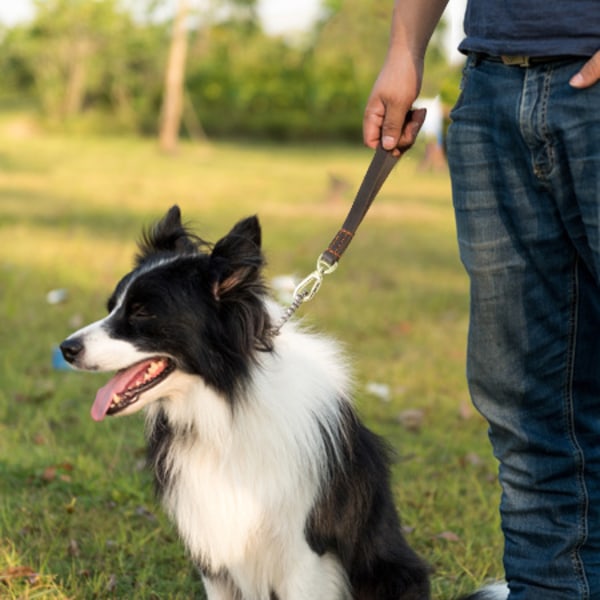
(519, 60)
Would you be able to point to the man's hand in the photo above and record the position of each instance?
(589, 74)
(387, 117)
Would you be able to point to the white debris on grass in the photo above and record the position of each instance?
(283, 287)
(379, 390)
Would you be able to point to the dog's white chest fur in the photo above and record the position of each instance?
(244, 482)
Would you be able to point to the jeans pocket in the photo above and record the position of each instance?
(469, 66)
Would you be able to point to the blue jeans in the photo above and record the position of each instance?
(524, 153)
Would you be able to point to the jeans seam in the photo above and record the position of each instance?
(544, 130)
(583, 508)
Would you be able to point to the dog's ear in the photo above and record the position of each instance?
(168, 235)
(236, 260)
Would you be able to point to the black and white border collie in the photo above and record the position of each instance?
(276, 488)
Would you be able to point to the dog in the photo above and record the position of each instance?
(277, 489)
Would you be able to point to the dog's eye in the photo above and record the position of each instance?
(139, 311)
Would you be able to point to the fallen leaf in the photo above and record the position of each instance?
(401, 329)
(73, 548)
(20, 572)
(448, 536)
(411, 419)
(39, 439)
(61, 471)
(49, 474)
(473, 459)
(466, 411)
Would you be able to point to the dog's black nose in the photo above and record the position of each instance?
(71, 349)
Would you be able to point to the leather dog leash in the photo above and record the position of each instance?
(380, 167)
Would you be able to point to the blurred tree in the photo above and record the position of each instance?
(360, 28)
(246, 83)
(172, 107)
(77, 54)
(242, 12)
(350, 47)
(102, 66)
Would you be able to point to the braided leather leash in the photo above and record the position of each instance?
(380, 167)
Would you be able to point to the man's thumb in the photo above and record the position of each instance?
(589, 73)
(403, 137)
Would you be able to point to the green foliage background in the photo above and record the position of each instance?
(99, 67)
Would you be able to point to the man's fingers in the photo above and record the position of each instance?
(391, 125)
(372, 122)
(412, 125)
(413, 122)
(392, 128)
(589, 74)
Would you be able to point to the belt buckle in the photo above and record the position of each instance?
(515, 60)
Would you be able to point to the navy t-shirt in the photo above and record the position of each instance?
(532, 27)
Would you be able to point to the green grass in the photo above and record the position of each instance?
(77, 514)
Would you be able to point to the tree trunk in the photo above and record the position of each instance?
(76, 59)
(172, 107)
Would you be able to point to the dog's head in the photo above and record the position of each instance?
(185, 309)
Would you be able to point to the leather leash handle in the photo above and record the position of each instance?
(381, 166)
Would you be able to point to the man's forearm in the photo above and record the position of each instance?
(399, 81)
(413, 23)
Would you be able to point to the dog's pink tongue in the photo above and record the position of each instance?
(119, 383)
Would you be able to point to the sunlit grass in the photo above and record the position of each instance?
(76, 505)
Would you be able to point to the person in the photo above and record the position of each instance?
(523, 149)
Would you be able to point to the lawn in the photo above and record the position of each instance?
(78, 518)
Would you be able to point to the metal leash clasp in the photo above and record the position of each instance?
(309, 286)
(306, 290)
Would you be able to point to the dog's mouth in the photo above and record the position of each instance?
(126, 387)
